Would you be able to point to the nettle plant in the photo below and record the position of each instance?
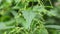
(24, 17)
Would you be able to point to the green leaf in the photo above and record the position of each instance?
(40, 9)
(3, 26)
(52, 13)
(53, 26)
(15, 14)
(29, 16)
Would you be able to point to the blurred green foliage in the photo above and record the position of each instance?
(29, 16)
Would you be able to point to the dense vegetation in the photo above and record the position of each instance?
(29, 16)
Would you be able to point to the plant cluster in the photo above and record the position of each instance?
(29, 16)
